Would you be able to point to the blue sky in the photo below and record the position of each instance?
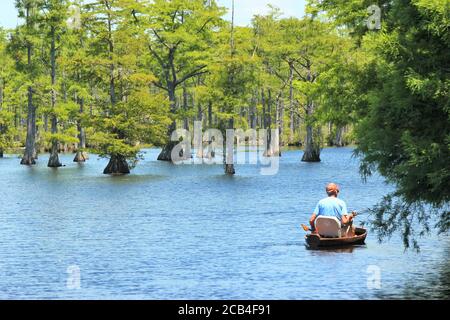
(245, 9)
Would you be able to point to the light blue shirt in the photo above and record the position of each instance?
(331, 207)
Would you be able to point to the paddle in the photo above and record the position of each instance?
(306, 228)
(366, 214)
(362, 212)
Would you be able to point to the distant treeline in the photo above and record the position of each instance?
(109, 76)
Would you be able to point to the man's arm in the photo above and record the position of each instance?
(315, 214)
(347, 218)
(312, 221)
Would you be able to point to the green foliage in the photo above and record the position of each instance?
(114, 62)
(179, 35)
(7, 73)
(234, 74)
(141, 119)
(349, 16)
(402, 116)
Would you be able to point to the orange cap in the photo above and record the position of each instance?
(332, 188)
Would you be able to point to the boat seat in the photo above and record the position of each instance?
(328, 227)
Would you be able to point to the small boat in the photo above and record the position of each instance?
(315, 241)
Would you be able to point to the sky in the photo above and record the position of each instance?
(244, 11)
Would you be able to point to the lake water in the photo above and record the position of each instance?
(189, 232)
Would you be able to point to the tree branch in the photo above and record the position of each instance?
(298, 73)
(160, 39)
(204, 25)
(159, 85)
(156, 55)
(198, 71)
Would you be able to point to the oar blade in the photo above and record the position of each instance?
(306, 228)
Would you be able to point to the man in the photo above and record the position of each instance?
(331, 207)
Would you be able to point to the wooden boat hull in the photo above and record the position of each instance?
(315, 241)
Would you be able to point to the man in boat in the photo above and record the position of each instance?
(332, 207)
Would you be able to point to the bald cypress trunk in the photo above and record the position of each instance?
(272, 147)
(210, 153)
(281, 124)
(313, 134)
(266, 107)
(263, 104)
(53, 161)
(312, 143)
(312, 149)
(228, 151)
(185, 106)
(30, 143)
(229, 169)
(117, 165)
(338, 140)
(81, 155)
(253, 111)
(199, 141)
(166, 153)
(210, 115)
(291, 103)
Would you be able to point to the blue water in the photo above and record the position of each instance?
(189, 232)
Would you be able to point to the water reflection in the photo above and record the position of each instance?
(189, 232)
(428, 286)
(332, 250)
